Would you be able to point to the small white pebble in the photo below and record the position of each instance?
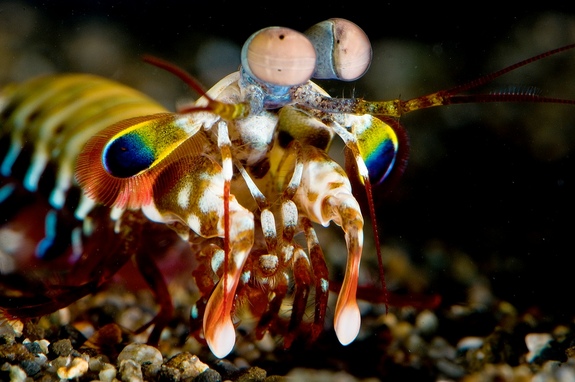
(130, 371)
(98, 363)
(61, 361)
(196, 366)
(565, 373)
(17, 326)
(17, 374)
(535, 343)
(549, 372)
(77, 368)
(40, 359)
(187, 364)
(469, 343)
(108, 373)
(426, 322)
(14, 327)
(142, 353)
(43, 345)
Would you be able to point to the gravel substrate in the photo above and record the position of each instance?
(490, 341)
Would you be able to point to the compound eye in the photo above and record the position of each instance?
(343, 49)
(279, 56)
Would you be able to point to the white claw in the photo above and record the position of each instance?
(347, 323)
(221, 339)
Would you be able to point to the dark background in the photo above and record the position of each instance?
(495, 182)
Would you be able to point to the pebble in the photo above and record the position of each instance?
(182, 366)
(142, 354)
(130, 371)
(14, 328)
(97, 362)
(468, 343)
(44, 346)
(210, 375)
(536, 342)
(31, 368)
(226, 368)
(426, 322)
(62, 347)
(108, 373)
(33, 347)
(253, 374)
(76, 368)
(16, 373)
(6, 338)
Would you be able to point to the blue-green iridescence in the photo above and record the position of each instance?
(127, 155)
(46, 247)
(380, 161)
(6, 191)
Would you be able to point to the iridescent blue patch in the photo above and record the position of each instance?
(380, 161)
(127, 155)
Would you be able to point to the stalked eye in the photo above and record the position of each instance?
(343, 50)
(127, 155)
(279, 56)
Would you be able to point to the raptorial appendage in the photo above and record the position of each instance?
(324, 195)
(304, 186)
(196, 199)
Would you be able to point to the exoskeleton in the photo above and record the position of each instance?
(242, 174)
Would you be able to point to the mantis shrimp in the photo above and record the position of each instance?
(241, 174)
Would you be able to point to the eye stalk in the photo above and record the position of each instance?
(343, 50)
(276, 60)
(279, 56)
(332, 49)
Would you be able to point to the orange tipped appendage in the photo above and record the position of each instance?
(219, 330)
(347, 319)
